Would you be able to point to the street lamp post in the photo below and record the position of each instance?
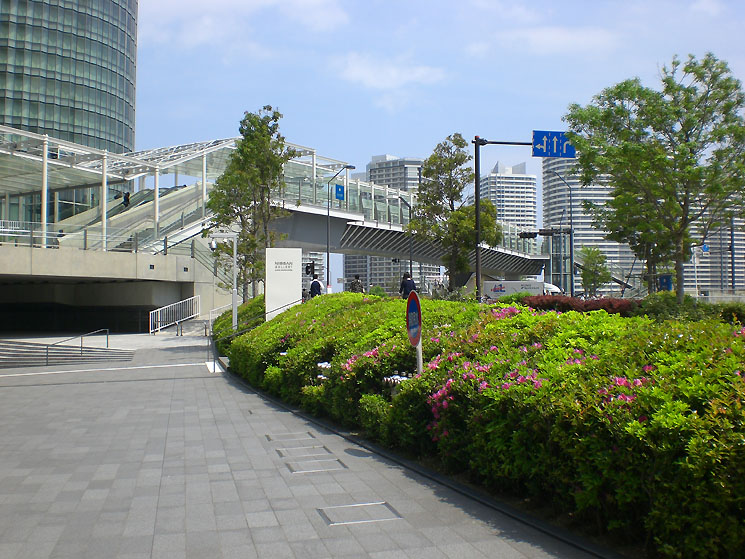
(411, 238)
(328, 228)
(571, 233)
(213, 245)
(478, 142)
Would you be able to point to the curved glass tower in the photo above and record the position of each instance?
(67, 69)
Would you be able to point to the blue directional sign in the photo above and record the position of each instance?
(552, 144)
(340, 192)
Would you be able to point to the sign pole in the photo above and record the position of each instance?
(419, 364)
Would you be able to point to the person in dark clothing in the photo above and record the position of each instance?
(315, 286)
(407, 286)
(125, 201)
(356, 286)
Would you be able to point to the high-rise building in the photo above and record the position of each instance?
(396, 172)
(562, 209)
(514, 194)
(67, 69)
(716, 266)
(401, 173)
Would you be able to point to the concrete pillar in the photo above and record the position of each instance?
(141, 185)
(6, 215)
(44, 190)
(56, 207)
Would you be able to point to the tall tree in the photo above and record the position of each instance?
(673, 158)
(595, 273)
(441, 214)
(242, 196)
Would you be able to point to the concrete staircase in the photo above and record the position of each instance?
(14, 354)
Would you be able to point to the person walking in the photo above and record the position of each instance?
(315, 286)
(356, 286)
(407, 286)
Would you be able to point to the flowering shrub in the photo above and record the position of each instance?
(634, 426)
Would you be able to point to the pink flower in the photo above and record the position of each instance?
(435, 340)
(648, 368)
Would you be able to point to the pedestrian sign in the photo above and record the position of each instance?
(340, 192)
(414, 319)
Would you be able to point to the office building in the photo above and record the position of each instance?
(67, 69)
(514, 194)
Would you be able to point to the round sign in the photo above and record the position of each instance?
(414, 319)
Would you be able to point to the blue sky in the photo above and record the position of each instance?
(361, 78)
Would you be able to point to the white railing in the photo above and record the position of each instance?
(174, 313)
(214, 313)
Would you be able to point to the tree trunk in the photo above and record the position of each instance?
(680, 257)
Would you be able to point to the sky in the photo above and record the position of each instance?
(357, 78)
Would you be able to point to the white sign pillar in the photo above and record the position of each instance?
(283, 281)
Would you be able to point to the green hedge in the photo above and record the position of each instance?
(632, 425)
(250, 314)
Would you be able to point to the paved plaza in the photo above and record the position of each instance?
(161, 457)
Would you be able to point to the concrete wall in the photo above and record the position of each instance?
(94, 279)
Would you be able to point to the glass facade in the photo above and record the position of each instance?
(67, 69)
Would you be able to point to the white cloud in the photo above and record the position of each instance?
(707, 7)
(387, 75)
(393, 80)
(553, 40)
(220, 22)
(512, 12)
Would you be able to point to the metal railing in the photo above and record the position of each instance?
(81, 336)
(174, 313)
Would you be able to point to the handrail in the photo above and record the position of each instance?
(174, 314)
(81, 336)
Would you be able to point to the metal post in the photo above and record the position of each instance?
(104, 195)
(44, 191)
(328, 226)
(732, 249)
(235, 282)
(478, 142)
(571, 232)
(156, 203)
(411, 233)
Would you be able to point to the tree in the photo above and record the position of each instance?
(673, 158)
(441, 216)
(242, 195)
(595, 273)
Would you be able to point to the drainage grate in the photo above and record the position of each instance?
(359, 513)
(312, 466)
(303, 451)
(290, 436)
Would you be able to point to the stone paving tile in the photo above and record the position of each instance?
(174, 463)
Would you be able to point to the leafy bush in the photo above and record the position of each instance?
(373, 414)
(633, 425)
(664, 306)
(250, 314)
(733, 313)
(563, 303)
(377, 291)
